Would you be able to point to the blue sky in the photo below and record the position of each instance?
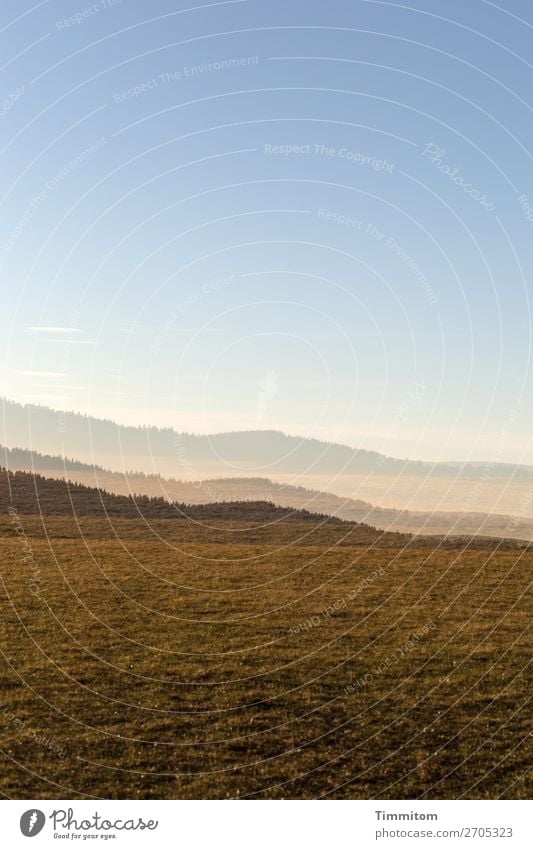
(306, 216)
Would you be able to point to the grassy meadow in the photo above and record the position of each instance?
(174, 660)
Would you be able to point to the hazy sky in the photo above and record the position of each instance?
(309, 216)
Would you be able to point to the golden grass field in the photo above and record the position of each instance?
(174, 661)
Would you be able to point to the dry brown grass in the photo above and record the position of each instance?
(452, 506)
(257, 663)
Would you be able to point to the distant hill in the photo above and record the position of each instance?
(46, 501)
(265, 452)
(33, 494)
(263, 489)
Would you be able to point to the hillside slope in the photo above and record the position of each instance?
(33, 494)
(264, 489)
(263, 451)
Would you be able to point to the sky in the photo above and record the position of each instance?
(313, 217)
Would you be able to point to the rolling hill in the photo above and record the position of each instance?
(33, 494)
(260, 452)
(246, 489)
